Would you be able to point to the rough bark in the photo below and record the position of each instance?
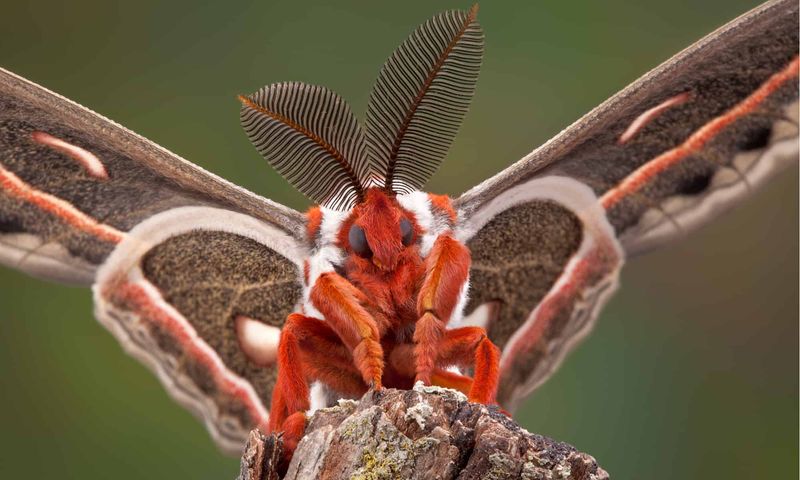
(424, 433)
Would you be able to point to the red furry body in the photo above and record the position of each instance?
(384, 309)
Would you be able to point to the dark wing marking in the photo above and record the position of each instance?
(72, 183)
(689, 138)
(420, 98)
(310, 136)
(544, 258)
(172, 292)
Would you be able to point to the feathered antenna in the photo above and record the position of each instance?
(310, 136)
(420, 98)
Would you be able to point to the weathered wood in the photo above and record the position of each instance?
(261, 455)
(424, 433)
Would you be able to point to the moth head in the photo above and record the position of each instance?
(380, 234)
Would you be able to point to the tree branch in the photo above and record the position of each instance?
(424, 433)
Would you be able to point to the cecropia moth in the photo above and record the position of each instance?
(197, 277)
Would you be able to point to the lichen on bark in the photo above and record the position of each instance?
(424, 433)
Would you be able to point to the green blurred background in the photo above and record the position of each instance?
(692, 370)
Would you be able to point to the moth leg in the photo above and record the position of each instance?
(447, 379)
(470, 346)
(341, 305)
(326, 358)
(446, 272)
(293, 429)
(398, 359)
(309, 350)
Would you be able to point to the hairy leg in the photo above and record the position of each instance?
(309, 350)
(427, 335)
(469, 346)
(447, 270)
(340, 302)
(399, 363)
(447, 379)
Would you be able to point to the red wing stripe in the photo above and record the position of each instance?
(87, 159)
(15, 187)
(636, 180)
(650, 115)
(583, 273)
(158, 312)
(556, 301)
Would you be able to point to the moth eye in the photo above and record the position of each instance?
(358, 241)
(407, 231)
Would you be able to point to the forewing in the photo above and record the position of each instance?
(659, 158)
(193, 275)
(72, 184)
(199, 294)
(687, 140)
(544, 259)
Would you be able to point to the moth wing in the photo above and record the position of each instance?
(73, 183)
(193, 275)
(666, 154)
(199, 295)
(689, 139)
(544, 260)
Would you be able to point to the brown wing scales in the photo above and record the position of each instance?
(211, 278)
(72, 183)
(546, 259)
(528, 245)
(692, 117)
(174, 292)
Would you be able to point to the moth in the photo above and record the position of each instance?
(197, 277)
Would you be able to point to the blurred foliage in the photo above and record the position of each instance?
(691, 371)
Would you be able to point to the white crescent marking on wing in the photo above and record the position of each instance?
(87, 159)
(650, 114)
(258, 340)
